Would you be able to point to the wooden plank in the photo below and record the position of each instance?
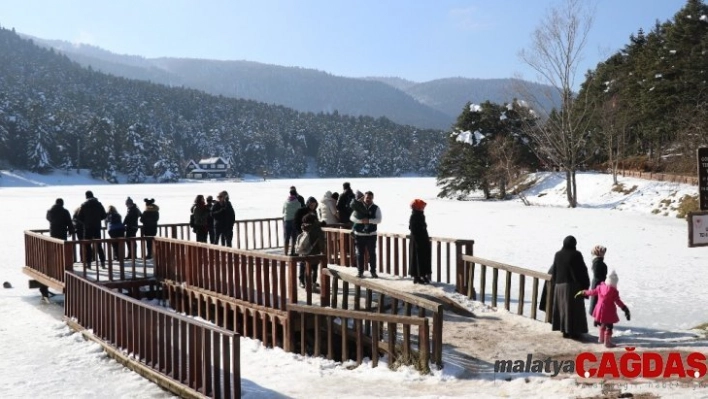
(356, 314)
(366, 283)
(503, 266)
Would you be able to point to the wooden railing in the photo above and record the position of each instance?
(667, 177)
(393, 255)
(242, 290)
(47, 257)
(382, 300)
(372, 332)
(204, 358)
(259, 278)
(484, 285)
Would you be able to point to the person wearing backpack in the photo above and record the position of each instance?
(116, 229)
(310, 242)
(198, 220)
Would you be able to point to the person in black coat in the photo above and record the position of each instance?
(79, 231)
(344, 211)
(149, 219)
(569, 275)
(224, 218)
(92, 214)
(131, 221)
(599, 274)
(300, 198)
(60, 222)
(210, 220)
(420, 248)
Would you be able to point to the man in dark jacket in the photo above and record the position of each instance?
(365, 228)
(569, 275)
(60, 223)
(149, 219)
(299, 197)
(92, 214)
(59, 220)
(224, 218)
(343, 208)
(132, 216)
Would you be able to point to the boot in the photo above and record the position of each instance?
(601, 336)
(287, 247)
(608, 339)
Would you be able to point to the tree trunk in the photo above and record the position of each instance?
(568, 188)
(574, 194)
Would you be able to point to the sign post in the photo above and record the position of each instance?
(697, 229)
(703, 178)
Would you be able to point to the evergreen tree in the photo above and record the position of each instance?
(134, 155)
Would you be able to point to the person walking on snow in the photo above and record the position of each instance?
(605, 313)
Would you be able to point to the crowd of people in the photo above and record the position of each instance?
(213, 221)
(89, 218)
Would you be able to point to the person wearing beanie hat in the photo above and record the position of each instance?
(418, 205)
(89, 194)
(605, 313)
(599, 273)
(420, 248)
(149, 219)
(131, 221)
(568, 275)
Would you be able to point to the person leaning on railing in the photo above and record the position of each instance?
(149, 219)
(132, 216)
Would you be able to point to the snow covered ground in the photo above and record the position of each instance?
(661, 280)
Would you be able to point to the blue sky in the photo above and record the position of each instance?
(419, 40)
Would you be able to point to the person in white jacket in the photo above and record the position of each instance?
(328, 209)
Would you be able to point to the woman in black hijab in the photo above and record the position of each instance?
(569, 275)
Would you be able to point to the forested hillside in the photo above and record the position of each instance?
(302, 89)
(56, 114)
(644, 108)
(650, 99)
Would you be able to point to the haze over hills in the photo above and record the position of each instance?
(435, 104)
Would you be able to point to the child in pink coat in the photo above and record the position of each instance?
(605, 312)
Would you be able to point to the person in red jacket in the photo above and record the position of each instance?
(605, 312)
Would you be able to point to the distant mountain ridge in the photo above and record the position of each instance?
(435, 104)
